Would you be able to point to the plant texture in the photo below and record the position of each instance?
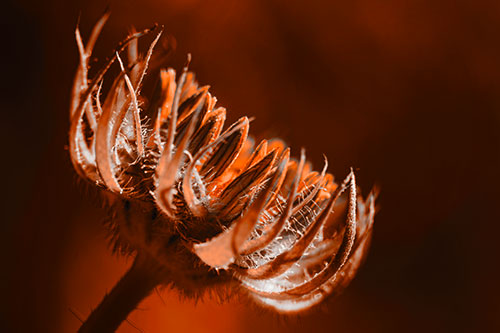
(201, 206)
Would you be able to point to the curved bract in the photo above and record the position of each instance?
(185, 187)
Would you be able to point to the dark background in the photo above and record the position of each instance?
(407, 92)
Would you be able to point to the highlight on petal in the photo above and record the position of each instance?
(315, 276)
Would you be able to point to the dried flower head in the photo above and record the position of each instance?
(202, 205)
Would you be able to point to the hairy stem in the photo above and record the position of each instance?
(133, 287)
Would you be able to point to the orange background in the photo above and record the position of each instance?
(407, 92)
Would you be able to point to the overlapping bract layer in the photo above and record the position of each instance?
(253, 211)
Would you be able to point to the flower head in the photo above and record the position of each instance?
(206, 203)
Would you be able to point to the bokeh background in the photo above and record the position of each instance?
(407, 92)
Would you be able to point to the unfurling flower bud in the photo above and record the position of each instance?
(205, 205)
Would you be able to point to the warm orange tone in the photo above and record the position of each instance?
(200, 207)
(406, 92)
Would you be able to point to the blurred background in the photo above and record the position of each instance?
(407, 92)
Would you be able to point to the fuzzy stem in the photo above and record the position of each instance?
(133, 287)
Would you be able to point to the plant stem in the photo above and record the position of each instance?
(133, 287)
